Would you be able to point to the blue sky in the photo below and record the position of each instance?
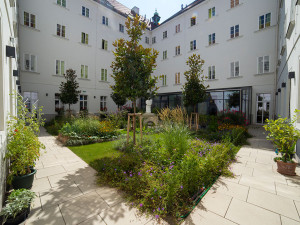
(165, 8)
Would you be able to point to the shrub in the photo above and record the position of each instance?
(54, 126)
(119, 119)
(232, 117)
(176, 115)
(237, 136)
(213, 124)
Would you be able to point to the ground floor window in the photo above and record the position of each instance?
(58, 104)
(83, 101)
(31, 100)
(103, 101)
(262, 108)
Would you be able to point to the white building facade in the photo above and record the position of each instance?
(236, 38)
(288, 64)
(8, 68)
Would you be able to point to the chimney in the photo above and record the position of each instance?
(181, 6)
(136, 10)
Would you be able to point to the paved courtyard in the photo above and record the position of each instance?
(67, 193)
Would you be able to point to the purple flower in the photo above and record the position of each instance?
(151, 198)
(141, 205)
(130, 175)
(160, 197)
(124, 172)
(156, 216)
(158, 209)
(181, 187)
(163, 209)
(155, 190)
(150, 174)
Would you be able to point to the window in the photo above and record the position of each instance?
(104, 44)
(85, 12)
(30, 99)
(83, 102)
(263, 64)
(234, 31)
(29, 19)
(234, 3)
(104, 20)
(84, 38)
(121, 28)
(147, 40)
(177, 28)
(61, 30)
(165, 34)
(84, 71)
(177, 50)
(153, 40)
(265, 21)
(103, 74)
(165, 54)
(212, 39)
(60, 67)
(235, 69)
(211, 12)
(103, 100)
(30, 62)
(57, 102)
(211, 73)
(193, 21)
(61, 3)
(164, 80)
(177, 78)
(193, 45)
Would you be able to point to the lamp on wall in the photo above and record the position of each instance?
(15, 73)
(283, 84)
(10, 51)
(18, 82)
(276, 93)
(291, 75)
(47, 94)
(279, 90)
(19, 88)
(94, 96)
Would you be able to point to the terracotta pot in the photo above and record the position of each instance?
(286, 168)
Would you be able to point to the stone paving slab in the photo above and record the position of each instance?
(68, 193)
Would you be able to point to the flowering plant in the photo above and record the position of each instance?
(23, 147)
(284, 135)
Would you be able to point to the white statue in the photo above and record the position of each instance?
(148, 105)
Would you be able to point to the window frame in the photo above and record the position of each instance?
(27, 20)
(262, 63)
(103, 103)
(177, 50)
(59, 67)
(235, 69)
(103, 76)
(61, 30)
(193, 45)
(193, 21)
(177, 28)
(104, 44)
(84, 71)
(121, 28)
(84, 102)
(164, 80)
(264, 21)
(85, 11)
(84, 38)
(177, 78)
(62, 3)
(32, 63)
(211, 72)
(165, 54)
(105, 20)
(165, 34)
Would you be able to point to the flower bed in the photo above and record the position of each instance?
(162, 175)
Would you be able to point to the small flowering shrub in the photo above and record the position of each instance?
(233, 117)
(161, 176)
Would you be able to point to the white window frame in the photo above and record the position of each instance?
(234, 3)
(62, 3)
(235, 69)
(84, 102)
(177, 78)
(164, 80)
(85, 11)
(31, 20)
(263, 62)
(165, 34)
(211, 72)
(193, 45)
(153, 40)
(105, 20)
(177, 50)
(61, 30)
(165, 54)
(193, 21)
(235, 31)
(104, 44)
(103, 103)
(147, 40)
(211, 12)
(121, 28)
(177, 28)
(264, 24)
(58, 102)
(212, 39)
(84, 72)
(32, 62)
(84, 38)
(60, 67)
(103, 76)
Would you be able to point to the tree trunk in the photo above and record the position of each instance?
(134, 120)
(195, 108)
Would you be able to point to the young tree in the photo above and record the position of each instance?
(69, 90)
(133, 65)
(117, 98)
(194, 90)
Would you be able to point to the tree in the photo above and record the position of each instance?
(69, 90)
(117, 98)
(133, 65)
(194, 90)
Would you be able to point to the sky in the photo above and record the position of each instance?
(165, 8)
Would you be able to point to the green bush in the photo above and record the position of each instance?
(236, 136)
(54, 126)
(232, 117)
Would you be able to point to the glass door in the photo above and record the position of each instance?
(262, 108)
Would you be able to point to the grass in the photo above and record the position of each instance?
(92, 152)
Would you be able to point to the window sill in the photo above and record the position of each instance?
(164, 38)
(178, 32)
(193, 26)
(211, 45)
(103, 81)
(177, 55)
(164, 86)
(60, 37)
(57, 75)
(105, 25)
(234, 7)
(164, 59)
(83, 79)
(234, 77)
(212, 18)
(262, 74)
(266, 28)
(85, 17)
(104, 50)
(60, 6)
(30, 28)
(179, 84)
(28, 71)
(234, 38)
(87, 45)
(193, 50)
(210, 80)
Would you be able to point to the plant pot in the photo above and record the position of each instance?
(24, 181)
(286, 168)
(19, 218)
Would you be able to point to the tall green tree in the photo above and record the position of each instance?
(69, 89)
(194, 90)
(117, 98)
(133, 65)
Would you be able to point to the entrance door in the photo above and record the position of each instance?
(262, 108)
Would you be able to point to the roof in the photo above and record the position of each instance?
(188, 7)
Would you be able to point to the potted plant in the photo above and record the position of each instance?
(23, 147)
(284, 136)
(17, 206)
